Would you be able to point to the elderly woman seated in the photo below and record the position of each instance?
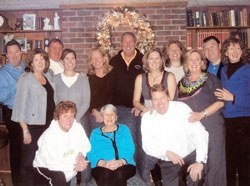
(61, 148)
(112, 151)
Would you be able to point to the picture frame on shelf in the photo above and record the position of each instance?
(23, 42)
(29, 21)
(29, 45)
(38, 43)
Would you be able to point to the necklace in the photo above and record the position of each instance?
(109, 128)
(154, 78)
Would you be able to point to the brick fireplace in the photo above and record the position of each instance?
(79, 23)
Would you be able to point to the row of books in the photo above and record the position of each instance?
(222, 36)
(218, 18)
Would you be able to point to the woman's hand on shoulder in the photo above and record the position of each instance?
(147, 109)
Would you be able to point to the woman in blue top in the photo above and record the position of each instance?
(112, 151)
(235, 76)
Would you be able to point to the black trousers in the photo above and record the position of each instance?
(118, 177)
(156, 173)
(28, 154)
(15, 136)
(44, 176)
(176, 175)
(238, 150)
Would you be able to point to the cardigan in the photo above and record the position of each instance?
(239, 85)
(79, 93)
(31, 101)
(102, 148)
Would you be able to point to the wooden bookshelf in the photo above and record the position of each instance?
(30, 37)
(219, 21)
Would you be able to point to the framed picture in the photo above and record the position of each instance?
(29, 21)
(29, 45)
(23, 42)
(38, 43)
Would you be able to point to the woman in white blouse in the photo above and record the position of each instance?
(173, 53)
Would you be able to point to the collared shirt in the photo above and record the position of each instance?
(126, 61)
(56, 66)
(172, 132)
(213, 69)
(8, 83)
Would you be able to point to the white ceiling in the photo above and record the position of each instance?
(47, 4)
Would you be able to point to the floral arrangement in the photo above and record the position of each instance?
(125, 15)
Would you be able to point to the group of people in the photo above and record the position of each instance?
(187, 110)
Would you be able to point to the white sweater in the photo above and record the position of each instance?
(172, 132)
(57, 150)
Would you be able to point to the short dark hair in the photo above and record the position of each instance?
(66, 51)
(158, 88)
(64, 107)
(11, 43)
(130, 34)
(211, 38)
(55, 40)
(29, 67)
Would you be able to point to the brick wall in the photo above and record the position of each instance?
(79, 26)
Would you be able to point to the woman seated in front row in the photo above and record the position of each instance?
(112, 151)
(61, 148)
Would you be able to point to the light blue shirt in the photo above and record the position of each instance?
(213, 69)
(8, 83)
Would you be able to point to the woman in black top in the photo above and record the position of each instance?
(101, 80)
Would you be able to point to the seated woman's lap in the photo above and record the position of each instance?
(104, 176)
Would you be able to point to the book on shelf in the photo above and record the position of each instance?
(189, 40)
(197, 19)
(204, 18)
(190, 20)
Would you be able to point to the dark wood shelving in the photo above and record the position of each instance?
(217, 27)
(28, 31)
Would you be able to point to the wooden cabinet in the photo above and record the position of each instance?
(221, 22)
(29, 38)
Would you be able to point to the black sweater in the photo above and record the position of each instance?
(125, 78)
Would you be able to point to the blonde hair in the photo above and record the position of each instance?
(202, 56)
(107, 67)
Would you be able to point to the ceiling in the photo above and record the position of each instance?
(48, 4)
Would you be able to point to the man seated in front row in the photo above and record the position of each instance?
(180, 146)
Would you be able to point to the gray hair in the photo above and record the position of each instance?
(108, 107)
